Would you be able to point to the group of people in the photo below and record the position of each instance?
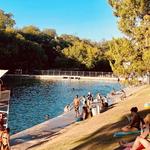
(85, 108)
(100, 103)
(136, 123)
(4, 134)
(88, 103)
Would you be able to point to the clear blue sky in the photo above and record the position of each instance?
(90, 19)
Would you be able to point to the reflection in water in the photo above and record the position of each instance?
(32, 99)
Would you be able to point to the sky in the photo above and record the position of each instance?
(87, 19)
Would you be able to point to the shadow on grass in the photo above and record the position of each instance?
(38, 144)
(109, 107)
(27, 138)
(103, 137)
(43, 136)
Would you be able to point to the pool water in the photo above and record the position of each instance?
(32, 99)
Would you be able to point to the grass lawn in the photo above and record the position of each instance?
(97, 133)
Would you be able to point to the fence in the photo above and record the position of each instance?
(76, 73)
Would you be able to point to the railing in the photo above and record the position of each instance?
(76, 73)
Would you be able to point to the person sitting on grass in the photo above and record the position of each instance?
(134, 124)
(142, 141)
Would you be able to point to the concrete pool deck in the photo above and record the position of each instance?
(47, 130)
(41, 132)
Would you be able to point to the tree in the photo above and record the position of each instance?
(17, 52)
(123, 58)
(6, 20)
(30, 48)
(50, 32)
(146, 59)
(82, 52)
(134, 21)
(30, 30)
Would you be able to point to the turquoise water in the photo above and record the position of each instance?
(32, 99)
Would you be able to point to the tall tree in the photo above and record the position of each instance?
(123, 58)
(84, 53)
(6, 20)
(134, 21)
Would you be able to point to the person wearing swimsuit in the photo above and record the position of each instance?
(135, 121)
(4, 140)
(139, 143)
(76, 104)
(144, 139)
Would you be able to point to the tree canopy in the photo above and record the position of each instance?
(6, 20)
(134, 21)
(31, 48)
(124, 59)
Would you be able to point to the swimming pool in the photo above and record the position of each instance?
(32, 99)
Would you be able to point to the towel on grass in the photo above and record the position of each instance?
(120, 134)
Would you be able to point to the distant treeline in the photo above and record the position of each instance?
(29, 48)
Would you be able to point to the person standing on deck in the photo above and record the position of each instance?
(76, 104)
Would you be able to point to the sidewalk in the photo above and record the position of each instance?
(41, 133)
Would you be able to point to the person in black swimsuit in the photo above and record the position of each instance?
(135, 121)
